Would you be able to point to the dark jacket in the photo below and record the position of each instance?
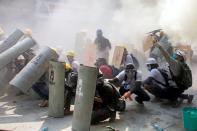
(102, 43)
(108, 94)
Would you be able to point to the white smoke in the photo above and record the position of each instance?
(122, 21)
(179, 18)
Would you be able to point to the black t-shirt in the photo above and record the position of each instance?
(108, 94)
(102, 43)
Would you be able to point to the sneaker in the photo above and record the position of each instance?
(190, 98)
(113, 116)
(139, 101)
(110, 128)
(67, 112)
(156, 100)
(177, 102)
(44, 103)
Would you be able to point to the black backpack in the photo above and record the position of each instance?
(184, 80)
(165, 75)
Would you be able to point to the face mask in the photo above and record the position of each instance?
(129, 73)
(149, 67)
(174, 56)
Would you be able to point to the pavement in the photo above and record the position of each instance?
(22, 113)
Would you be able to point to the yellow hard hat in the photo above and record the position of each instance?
(54, 49)
(71, 53)
(67, 66)
(28, 31)
(1, 31)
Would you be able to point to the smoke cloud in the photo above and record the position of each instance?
(179, 18)
(56, 23)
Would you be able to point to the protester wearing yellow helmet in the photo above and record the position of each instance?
(71, 58)
(71, 53)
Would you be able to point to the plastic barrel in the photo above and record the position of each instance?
(190, 118)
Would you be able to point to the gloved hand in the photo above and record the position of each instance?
(127, 95)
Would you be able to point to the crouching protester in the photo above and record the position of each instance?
(42, 89)
(130, 80)
(180, 73)
(158, 82)
(107, 101)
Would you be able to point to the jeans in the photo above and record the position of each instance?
(101, 114)
(41, 90)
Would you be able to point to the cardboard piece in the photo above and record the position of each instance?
(89, 57)
(147, 43)
(117, 57)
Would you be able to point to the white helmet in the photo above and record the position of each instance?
(151, 61)
(180, 53)
(1, 32)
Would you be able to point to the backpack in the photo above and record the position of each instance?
(165, 75)
(184, 80)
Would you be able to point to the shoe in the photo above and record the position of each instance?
(94, 122)
(139, 101)
(156, 100)
(113, 116)
(19, 93)
(190, 98)
(67, 112)
(177, 102)
(44, 103)
(110, 128)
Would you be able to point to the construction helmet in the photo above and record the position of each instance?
(180, 53)
(1, 31)
(71, 53)
(54, 49)
(151, 61)
(28, 31)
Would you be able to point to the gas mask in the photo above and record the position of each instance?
(129, 73)
(149, 67)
